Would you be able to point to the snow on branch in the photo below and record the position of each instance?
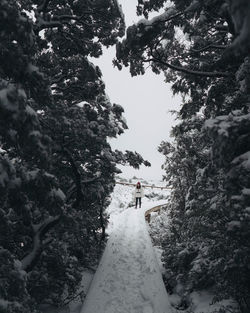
(162, 18)
(170, 14)
(29, 261)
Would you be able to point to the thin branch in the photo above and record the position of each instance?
(56, 23)
(102, 222)
(70, 194)
(71, 17)
(66, 88)
(90, 180)
(43, 6)
(78, 183)
(80, 19)
(222, 47)
(46, 25)
(59, 79)
(187, 70)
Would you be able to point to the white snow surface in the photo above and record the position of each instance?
(128, 279)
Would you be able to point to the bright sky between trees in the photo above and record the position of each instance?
(147, 101)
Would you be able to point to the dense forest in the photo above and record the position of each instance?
(203, 49)
(57, 168)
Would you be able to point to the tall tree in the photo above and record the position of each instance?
(203, 50)
(56, 165)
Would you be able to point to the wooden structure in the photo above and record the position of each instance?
(144, 186)
(154, 209)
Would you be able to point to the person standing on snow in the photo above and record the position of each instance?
(138, 194)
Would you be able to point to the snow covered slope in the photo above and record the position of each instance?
(128, 279)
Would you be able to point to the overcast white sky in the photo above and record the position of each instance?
(146, 100)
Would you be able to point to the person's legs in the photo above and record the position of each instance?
(140, 202)
(136, 202)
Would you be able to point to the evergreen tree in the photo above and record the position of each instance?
(203, 50)
(56, 165)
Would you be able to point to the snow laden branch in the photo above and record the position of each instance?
(39, 231)
(59, 20)
(161, 19)
(168, 15)
(141, 45)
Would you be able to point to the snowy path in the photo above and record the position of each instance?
(128, 279)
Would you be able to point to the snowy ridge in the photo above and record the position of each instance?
(128, 279)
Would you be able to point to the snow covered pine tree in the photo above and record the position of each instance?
(202, 47)
(56, 167)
